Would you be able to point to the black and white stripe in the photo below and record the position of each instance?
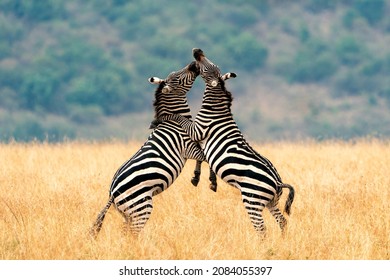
(160, 160)
(229, 154)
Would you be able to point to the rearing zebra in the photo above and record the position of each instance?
(228, 153)
(160, 160)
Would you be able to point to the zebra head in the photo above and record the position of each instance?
(209, 71)
(170, 96)
(215, 94)
(178, 82)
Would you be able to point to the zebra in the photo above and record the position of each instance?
(160, 160)
(229, 154)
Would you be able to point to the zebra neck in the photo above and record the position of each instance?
(217, 99)
(212, 103)
(216, 108)
(177, 105)
(167, 111)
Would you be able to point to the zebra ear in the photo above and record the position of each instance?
(155, 80)
(228, 76)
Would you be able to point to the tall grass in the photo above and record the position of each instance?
(50, 195)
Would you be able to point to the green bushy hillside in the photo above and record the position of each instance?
(79, 69)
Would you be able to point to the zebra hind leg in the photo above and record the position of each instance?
(258, 223)
(275, 211)
(255, 212)
(280, 219)
(137, 215)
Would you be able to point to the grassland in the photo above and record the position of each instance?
(51, 193)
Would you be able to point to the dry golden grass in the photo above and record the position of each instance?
(50, 196)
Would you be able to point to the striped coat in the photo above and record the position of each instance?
(161, 158)
(229, 154)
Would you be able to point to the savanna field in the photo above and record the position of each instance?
(50, 194)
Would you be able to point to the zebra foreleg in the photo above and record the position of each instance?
(195, 179)
(213, 180)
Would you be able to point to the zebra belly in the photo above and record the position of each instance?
(150, 176)
(240, 167)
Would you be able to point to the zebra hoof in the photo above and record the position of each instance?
(213, 187)
(195, 181)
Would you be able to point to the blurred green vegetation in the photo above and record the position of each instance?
(71, 64)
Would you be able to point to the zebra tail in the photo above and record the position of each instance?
(99, 221)
(290, 198)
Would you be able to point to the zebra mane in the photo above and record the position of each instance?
(156, 100)
(228, 93)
